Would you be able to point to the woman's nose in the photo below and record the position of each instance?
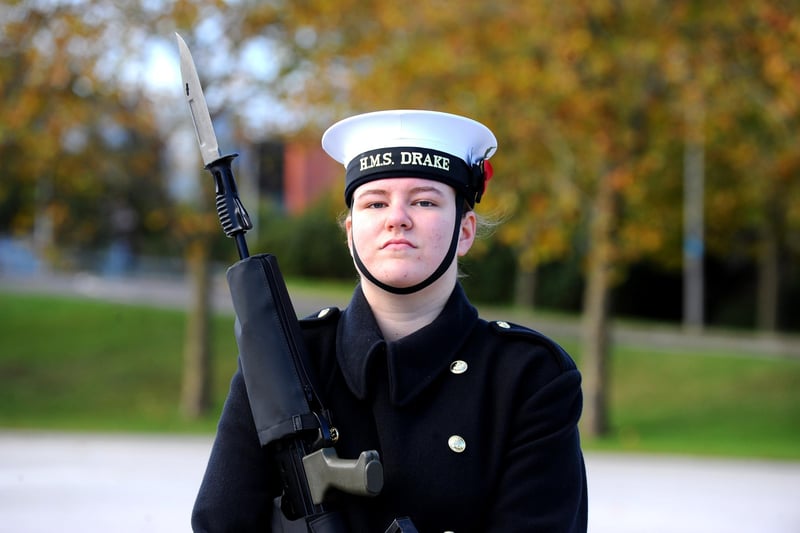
(398, 217)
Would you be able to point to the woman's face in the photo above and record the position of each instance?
(402, 228)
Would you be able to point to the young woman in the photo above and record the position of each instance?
(475, 421)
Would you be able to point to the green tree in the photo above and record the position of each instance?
(80, 137)
(75, 147)
(589, 99)
(752, 201)
(593, 103)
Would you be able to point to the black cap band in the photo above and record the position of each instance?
(415, 162)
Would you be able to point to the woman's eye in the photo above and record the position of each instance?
(376, 205)
(424, 203)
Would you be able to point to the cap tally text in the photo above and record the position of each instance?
(415, 158)
(407, 162)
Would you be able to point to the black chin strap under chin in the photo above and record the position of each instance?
(446, 262)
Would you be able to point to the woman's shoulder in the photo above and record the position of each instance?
(320, 327)
(526, 367)
(525, 345)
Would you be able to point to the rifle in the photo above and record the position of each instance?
(289, 415)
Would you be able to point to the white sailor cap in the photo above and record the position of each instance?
(408, 143)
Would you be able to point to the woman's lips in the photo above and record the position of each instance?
(397, 243)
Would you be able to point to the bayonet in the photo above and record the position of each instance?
(232, 214)
(193, 91)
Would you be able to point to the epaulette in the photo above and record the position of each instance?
(323, 315)
(503, 327)
(509, 328)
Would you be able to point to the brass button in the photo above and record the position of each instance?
(457, 443)
(503, 324)
(458, 367)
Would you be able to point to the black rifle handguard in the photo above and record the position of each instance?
(288, 414)
(274, 362)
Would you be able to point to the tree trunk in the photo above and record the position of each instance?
(693, 246)
(768, 280)
(596, 310)
(196, 389)
(525, 288)
(693, 219)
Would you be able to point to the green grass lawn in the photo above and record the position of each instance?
(80, 364)
(84, 364)
(695, 402)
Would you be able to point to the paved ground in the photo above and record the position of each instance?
(105, 483)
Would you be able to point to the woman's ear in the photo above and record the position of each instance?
(469, 224)
(348, 228)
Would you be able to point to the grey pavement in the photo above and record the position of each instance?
(162, 291)
(102, 483)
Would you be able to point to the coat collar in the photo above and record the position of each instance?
(413, 362)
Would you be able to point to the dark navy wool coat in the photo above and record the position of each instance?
(475, 423)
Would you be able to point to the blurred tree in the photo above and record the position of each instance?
(76, 148)
(590, 101)
(80, 137)
(612, 116)
(755, 144)
(570, 89)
